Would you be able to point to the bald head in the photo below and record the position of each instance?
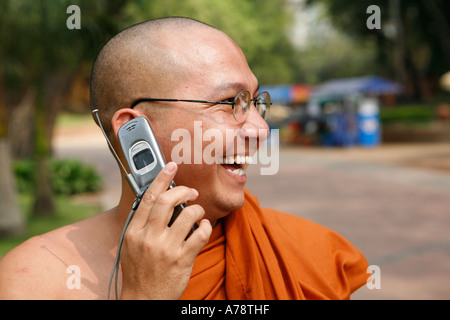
(149, 59)
(183, 59)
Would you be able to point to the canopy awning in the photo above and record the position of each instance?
(372, 85)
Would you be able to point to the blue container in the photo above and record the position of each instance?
(369, 128)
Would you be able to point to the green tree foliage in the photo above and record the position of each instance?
(413, 43)
(39, 55)
(260, 28)
(68, 176)
(330, 54)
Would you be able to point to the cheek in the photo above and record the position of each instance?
(190, 146)
(197, 144)
(201, 177)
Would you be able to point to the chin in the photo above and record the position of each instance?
(220, 204)
(220, 190)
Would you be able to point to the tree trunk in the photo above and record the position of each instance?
(12, 221)
(43, 202)
(21, 126)
(50, 93)
(440, 22)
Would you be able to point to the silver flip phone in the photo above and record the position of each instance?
(144, 157)
(142, 151)
(145, 160)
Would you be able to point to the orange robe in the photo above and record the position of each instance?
(257, 254)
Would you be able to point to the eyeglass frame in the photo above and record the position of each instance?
(254, 100)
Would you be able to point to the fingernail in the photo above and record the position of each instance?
(195, 192)
(170, 167)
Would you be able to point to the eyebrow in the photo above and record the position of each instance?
(236, 86)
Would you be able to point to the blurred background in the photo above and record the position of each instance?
(361, 98)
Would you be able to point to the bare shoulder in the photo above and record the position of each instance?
(25, 270)
(69, 262)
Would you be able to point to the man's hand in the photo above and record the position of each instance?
(157, 260)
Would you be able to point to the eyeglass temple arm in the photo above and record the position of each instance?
(135, 103)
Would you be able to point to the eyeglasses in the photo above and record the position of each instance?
(240, 104)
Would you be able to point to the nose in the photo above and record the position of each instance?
(255, 127)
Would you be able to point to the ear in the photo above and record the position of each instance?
(121, 117)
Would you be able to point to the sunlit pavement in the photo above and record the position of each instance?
(386, 201)
(397, 215)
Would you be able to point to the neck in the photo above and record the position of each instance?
(126, 201)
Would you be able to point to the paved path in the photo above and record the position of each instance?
(398, 216)
(387, 201)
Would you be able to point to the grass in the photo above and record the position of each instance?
(67, 212)
(410, 114)
(66, 119)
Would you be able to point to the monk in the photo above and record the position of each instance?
(238, 250)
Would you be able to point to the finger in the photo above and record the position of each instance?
(163, 207)
(185, 221)
(162, 181)
(140, 216)
(159, 185)
(199, 238)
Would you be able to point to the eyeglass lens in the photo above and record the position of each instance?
(242, 103)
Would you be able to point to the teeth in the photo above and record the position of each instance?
(240, 172)
(236, 159)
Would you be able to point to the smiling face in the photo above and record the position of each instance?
(179, 58)
(217, 71)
